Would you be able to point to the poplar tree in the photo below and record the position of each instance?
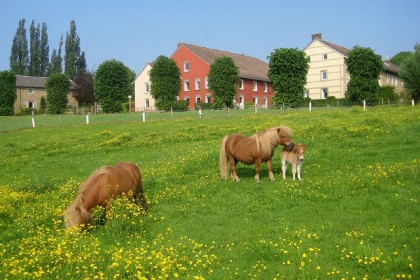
(19, 52)
(56, 60)
(35, 43)
(44, 51)
(74, 60)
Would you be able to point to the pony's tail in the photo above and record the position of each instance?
(223, 160)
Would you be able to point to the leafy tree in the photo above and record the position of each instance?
(410, 73)
(399, 58)
(75, 62)
(44, 51)
(84, 89)
(287, 71)
(7, 92)
(387, 93)
(165, 79)
(57, 87)
(113, 85)
(364, 67)
(55, 66)
(223, 80)
(43, 105)
(19, 53)
(35, 47)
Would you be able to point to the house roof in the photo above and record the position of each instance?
(249, 67)
(391, 67)
(30, 82)
(35, 82)
(344, 51)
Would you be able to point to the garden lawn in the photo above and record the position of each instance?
(353, 216)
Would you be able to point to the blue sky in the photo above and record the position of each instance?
(137, 31)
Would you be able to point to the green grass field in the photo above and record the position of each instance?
(355, 214)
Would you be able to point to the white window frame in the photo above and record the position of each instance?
(241, 84)
(255, 86)
(147, 103)
(197, 99)
(265, 87)
(208, 98)
(146, 87)
(324, 93)
(306, 93)
(206, 82)
(31, 91)
(186, 85)
(324, 75)
(197, 84)
(186, 66)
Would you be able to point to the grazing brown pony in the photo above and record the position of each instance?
(255, 149)
(105, 183)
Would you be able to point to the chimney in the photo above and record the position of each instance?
(317, 36)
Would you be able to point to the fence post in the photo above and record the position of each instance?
(144, 116)
(87, 118)
(364, 104)
(412, 102)
(310, 106)
(256, 108)
(172, 113)
(33, 119)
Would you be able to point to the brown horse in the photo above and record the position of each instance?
(105, 183)
(255, 149)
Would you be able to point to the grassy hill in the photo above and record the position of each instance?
(353, 216)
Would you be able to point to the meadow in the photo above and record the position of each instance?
(354, 215)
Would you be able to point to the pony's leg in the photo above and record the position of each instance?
(299, 170)
(232, 163)
(257, 170)
(270, 171)
(284, 168)
(294, 171)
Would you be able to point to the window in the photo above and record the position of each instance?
(308, 58)
(324, 75)
(324, 93)
(241, 84)
(146, 87)
(30, 104)
(197, 99)
(265, 87)
(186, 66)
(208, 98)
(30, 91)
(324, 56)
(206, 82)
(146, 103)
(255, 86)
(197, 84)
(186, 85)
(306, 93)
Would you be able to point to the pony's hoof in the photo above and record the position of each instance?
(258, 181)
(273, 179)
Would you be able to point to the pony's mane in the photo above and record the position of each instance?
(268, 139)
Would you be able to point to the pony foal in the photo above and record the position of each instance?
(295, 157)
(255, 149)
(104, 184)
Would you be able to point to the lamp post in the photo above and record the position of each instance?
(129, 103)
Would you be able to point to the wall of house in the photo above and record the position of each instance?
(388, 78)
(334, 65)
(143, 99)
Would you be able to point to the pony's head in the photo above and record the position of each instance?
(299, 149)
(285, 137)
(76, 215)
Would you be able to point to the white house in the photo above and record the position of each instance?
(143, 99)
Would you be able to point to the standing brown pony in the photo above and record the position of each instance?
(255, 149)
(105, 183)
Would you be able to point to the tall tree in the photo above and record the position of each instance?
(364, 67)
(35, 48)
(7, 92)
(287, 71)
(112, 85)
(44, 51)
(165, 79)
(57, 86)
(55, 66)
(74, 60)
(19, 52)
(84, 89)
(410, 73)
(399, 58)
(223, 80)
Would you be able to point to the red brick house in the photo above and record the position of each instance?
(194, 63)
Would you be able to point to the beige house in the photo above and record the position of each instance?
(143, 98)
(30, 90)
(328, 76)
